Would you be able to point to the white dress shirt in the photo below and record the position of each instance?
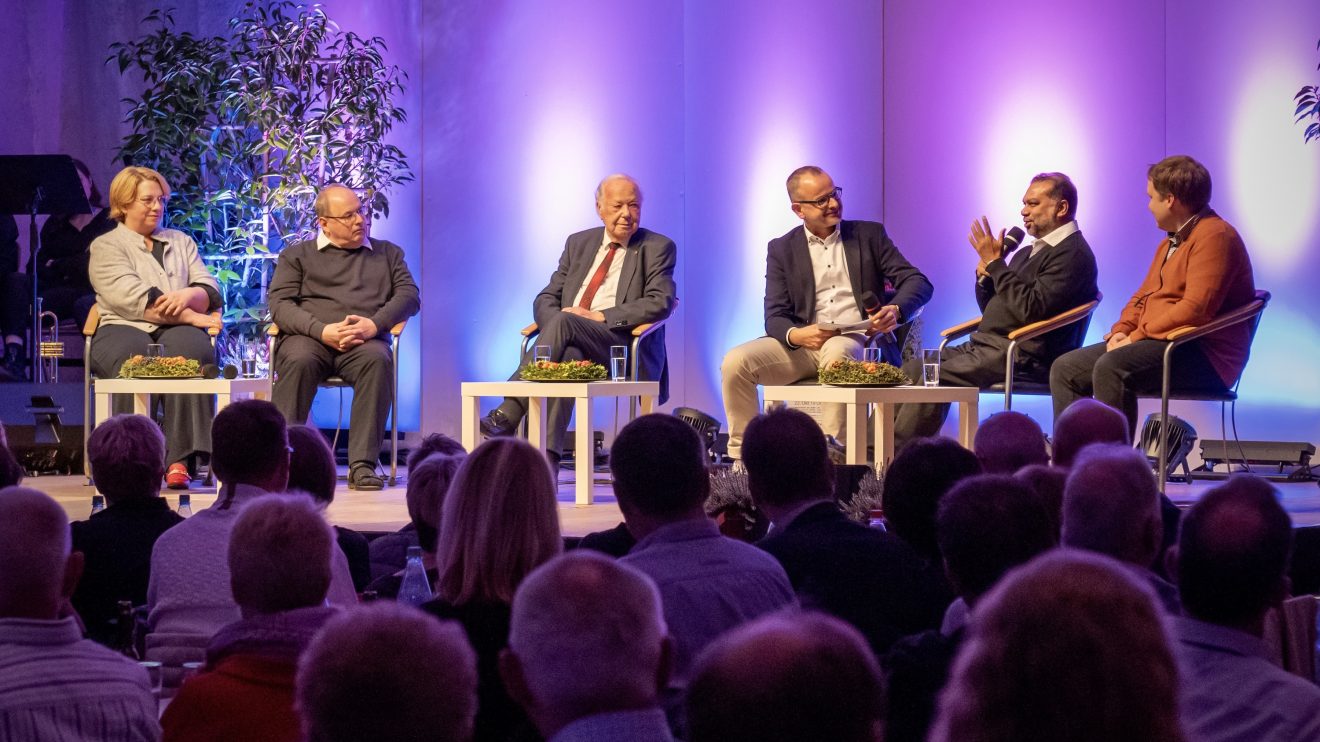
(835, 301)
(608, 293)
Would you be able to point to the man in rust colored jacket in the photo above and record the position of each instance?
(1200, 271)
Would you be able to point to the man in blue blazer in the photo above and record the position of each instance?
(816, 275)
(609, 280)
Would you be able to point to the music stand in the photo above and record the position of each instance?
(32, 185)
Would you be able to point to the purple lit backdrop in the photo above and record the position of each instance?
(929, 115)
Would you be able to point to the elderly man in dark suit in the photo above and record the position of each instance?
(815, 281)
(609, 280)
(1055, 273)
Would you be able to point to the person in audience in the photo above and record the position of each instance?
(499, 521)
(389, 552)
(428, 481)
(1069, 648)
(588, 653)
(804, 323)
(914, 483)
(862, 575)
(1048, 483)
(279, 566)
(1111, 505)
(386, 672)
(127, 458)
(53, 683)
(153, 288)
(708, 583)
(11, 472)
(987, 525)
(1007, 441)
(1087, 421)
(312, 470)
(786, 677)
(1231, 564)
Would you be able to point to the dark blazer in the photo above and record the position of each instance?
(646, 291)
(1032, 288)
(874, 264)
(863, 575)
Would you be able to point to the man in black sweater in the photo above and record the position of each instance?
(1055, 273)
(335, 299)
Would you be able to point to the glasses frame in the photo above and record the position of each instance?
(823, 201)
(360, 213)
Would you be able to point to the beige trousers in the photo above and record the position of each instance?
(766, 361)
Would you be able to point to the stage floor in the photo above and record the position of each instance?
(386, 511)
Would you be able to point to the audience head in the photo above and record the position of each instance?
(587, 636)
(428, 481)
(987, 525)
(786, 459)
(37, 570)
(659, 468)
(434, 443)
(1007, 441)
(914, 483)
(387, 671)
(1069, 647)
(1111, 505)
(786, 676)
(250, 445)
(499, 521)
(1048, 483)
(1087, 421)
(311, 464)
(11, 472)
(127, 457)
(1233, 551)
(279, 555)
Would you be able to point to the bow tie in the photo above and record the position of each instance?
(1174, 239)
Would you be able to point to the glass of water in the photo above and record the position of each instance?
(249, 361)
(930, 366)
(870, 354)
(155, 675)
(618, 363)
(155, 350)
(540, 353)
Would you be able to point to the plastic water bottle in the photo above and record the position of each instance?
(415, 588)
(185, 505)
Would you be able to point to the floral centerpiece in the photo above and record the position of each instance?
(172, 366)
(852, 373)
(562, 371)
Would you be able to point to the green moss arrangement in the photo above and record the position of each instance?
(851, 373)
(173, 366)
(562, 371)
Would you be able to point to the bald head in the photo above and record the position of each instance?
(1111, 505)
(1087, 421)
(786, 677)
(1008, 441)
(34, 555)
(586, 636)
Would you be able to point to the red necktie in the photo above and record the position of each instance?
(598, 277)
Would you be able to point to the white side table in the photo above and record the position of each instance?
(581, 392)
(856, 399)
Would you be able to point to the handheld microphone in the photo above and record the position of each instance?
(1013, 240)
(871, 305)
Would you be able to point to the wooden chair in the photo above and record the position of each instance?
(1249, 312)
(1011, 383)
(337, 382)
(88, 330)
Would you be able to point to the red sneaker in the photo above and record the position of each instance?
(177, 476)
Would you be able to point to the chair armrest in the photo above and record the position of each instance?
(214, 330)
(397, 329)
(530, 330)
(273, 330)
(957, 331)
(1062, 319)
(93, 321)
(645, 329)
(1243, 313)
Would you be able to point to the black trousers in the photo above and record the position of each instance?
(302, 363)
(187, 418)
(571, 338)
(1119, 376)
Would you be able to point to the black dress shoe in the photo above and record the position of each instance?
(497, 424)
(364, 477)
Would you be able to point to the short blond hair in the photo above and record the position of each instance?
(123, 189)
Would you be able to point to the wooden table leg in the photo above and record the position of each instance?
(648, 405)
(141, 404)
(968, 413)
(884, 436)
(536, 422)
(222, 400)
(470, 430)
(102, 408)
(584, 453)
(855, 433)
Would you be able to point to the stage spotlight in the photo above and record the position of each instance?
(1179, 438)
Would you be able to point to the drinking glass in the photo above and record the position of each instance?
(930, 366)
(249, 361)
(871, 354)
(540, 353)
(155, 675)
(618, 362)
(155, 350)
